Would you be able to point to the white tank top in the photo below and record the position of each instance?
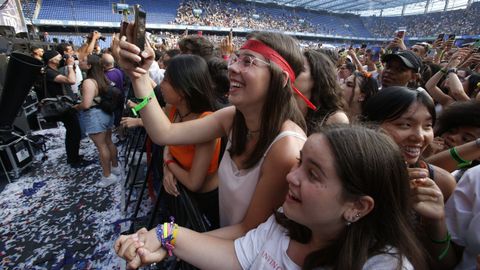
(236, 187)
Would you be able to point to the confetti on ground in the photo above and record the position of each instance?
(56, 217)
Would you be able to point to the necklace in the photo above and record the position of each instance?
(183, 116)
(251, 133)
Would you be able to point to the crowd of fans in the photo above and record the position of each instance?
(221, 13)
(460, 22)
(400, 192)
(396, 88)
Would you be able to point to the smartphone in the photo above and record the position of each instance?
(441, 36)
(401, 33)
(123, 28)
(139, 27)
(231, 34)
(376, 54)
(364, 45)
(451, 37)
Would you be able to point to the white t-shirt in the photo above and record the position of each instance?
(462, 213)
(156, 73)
(266, 248)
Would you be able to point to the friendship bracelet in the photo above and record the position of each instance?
(167, 234)
(461, 162)
(143, 103)
(447, 241)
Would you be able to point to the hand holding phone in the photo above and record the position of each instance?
(376, 54)
(440, 37)
(400, 33)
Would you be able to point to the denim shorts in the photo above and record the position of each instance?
(94, 120)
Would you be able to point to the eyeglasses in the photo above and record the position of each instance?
(246, 61)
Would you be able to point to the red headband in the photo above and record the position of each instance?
(272, 55)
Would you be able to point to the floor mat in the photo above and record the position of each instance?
(55, 217)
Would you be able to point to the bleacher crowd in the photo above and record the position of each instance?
(221, 13)
(460, 22)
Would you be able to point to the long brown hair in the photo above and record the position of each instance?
(97, 73)
(279, 105)
(326, 93)
(369, 164)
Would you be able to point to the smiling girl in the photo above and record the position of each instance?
(408, 116)
(264, 127)
(343, 210)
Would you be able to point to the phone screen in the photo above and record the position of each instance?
(139, 29)
(376, 54)
(451, 37)
(400, 33)
(441, 36)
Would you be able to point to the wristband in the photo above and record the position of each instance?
(444, 241)
(70, 66)
(461, 162)
(167, 234)
(143, 103)
(169, 161)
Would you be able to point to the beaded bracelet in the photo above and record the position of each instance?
(143, 103)
(444, 241)
(461, 162)
(167, 235)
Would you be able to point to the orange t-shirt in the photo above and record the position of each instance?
(184, 154)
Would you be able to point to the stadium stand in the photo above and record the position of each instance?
(263, 16)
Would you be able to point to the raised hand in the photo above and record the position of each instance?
(226, 46)
(427, 198)
(133, 61)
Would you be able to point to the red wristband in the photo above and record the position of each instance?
(166, 162)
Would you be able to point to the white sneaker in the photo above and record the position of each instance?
(108, 180)
(119, 170)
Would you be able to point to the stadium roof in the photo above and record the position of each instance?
(340, 5)
(361, 6)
